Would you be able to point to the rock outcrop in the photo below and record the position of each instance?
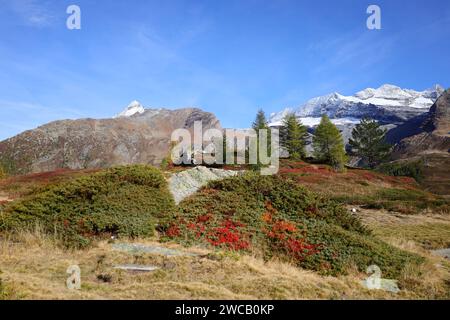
(186, 183)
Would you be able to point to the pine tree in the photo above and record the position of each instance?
(328, 144)
(293, 137)
(368, 142)
(261, 123)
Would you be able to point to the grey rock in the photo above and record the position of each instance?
(445, 253)
(136, 268)
(186, 183)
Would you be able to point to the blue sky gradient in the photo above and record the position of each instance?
(228, 57)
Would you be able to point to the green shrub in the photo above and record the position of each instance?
(392, 194)
(344, 248)
(278, 217)
(126, 201)
(412, 169)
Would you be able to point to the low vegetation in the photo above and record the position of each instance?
(366, 188)
(2, 173)
(275, 216)
(412, 169)
(4, 294)
(125, 201)
(15, 187)
(254, 232)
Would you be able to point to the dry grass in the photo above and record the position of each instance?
(419, 234)
(429, 231)
(34, 268)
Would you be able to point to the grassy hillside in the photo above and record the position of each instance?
(367, 188)
(286, 236)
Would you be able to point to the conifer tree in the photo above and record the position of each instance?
(328, 144)
(293, 137)
(260, 121)
(368, 142)
(259, 124)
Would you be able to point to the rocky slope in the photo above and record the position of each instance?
(426, 138)
(426, 133)
(137, 135)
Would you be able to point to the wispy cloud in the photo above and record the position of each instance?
(359, 51)
(31, 12)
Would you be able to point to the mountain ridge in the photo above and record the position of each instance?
(388, 104)
(99, 143)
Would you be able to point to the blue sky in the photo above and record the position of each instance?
(228, 57)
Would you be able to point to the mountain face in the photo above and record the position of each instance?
(388, 104)
(427, 133)
(426, 138)
(136, 135)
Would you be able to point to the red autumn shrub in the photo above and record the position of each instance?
(173, 231)
(227, 235)
(299, 249)
(204, 218)
(286, 236)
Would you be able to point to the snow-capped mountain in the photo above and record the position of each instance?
(388, 104)
(135, 107)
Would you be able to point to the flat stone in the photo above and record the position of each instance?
(136, 267)
(445, 253)
(152, 249)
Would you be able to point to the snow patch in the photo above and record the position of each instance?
(388, 97)
(314, 121)
(135, 107)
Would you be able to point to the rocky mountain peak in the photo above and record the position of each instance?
(438, 120)
(135, 107)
